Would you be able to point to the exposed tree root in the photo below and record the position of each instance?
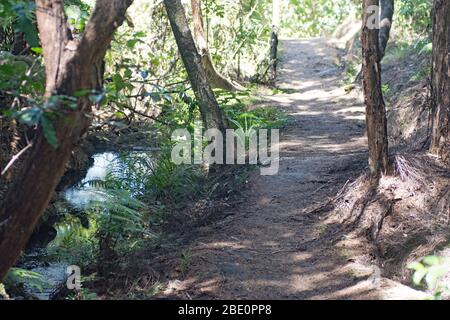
(326, 205)
(397, 220)
(216, 79)
(364, 203)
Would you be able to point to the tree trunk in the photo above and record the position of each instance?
(70, 67)
(215, 78)
(211, 113)
(375, 107)
(274, 39)
(387, 12)
(440, 80)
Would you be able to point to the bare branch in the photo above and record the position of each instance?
(15, 158)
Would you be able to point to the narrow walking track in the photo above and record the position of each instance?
(268, 249)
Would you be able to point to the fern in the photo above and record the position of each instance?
(19, 276)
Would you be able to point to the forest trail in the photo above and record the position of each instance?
(267, 248)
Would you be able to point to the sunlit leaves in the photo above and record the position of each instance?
(414, 14)
(431, 269)
(420, 272)
(37, 50)
(17, 276)
(77, 16)
(314, 17)
(73, 12)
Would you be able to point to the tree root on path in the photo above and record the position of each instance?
(364, 204)
(393, 222)
(327, 205)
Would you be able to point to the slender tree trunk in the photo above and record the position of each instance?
(211, 113)
(387, 12)
(71, 66)
(274, 39)
(375, 107)
(215, 78)
(440, 79)
(386, 15)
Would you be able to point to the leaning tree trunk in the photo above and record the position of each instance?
(387, 12)
(274, 39)
(71, 67)
(440, 80)
(215, 78)
(375, 107)
(209, 108)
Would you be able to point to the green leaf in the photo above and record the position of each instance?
(37, 50)
(118, 82)
(428, 48)
(132, 43)
(433, 275)
(236, 123)
(420, 272)
(416, 266)
(431, 260)
(154, 96)
(49, 132)
(418, 276)
(7, 69)
(32, 279)
(82, 93)
(25, 24)
(73, 12)
(128, 73)
(139, 34)
(30, 116)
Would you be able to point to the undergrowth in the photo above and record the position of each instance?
(144, 192)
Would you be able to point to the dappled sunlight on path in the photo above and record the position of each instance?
(268, 248)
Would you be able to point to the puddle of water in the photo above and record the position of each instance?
(131, 166)
(55, 276)
(81, 195)
(125, 166)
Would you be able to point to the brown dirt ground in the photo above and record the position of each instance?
(268, 247)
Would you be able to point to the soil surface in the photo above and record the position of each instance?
(268, 247)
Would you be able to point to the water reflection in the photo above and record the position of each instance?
(130, 168)
(81, 195)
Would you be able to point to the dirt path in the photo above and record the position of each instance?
(267, 248)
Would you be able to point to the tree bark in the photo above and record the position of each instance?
(215, 78)
(440, 80)
(373, 96)
(387, 12)
(70, 66)
(209, 108)
(274, 39)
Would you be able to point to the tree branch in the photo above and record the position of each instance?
(99, 33)
(15, 158)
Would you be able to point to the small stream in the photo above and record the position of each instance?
(78, 197)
